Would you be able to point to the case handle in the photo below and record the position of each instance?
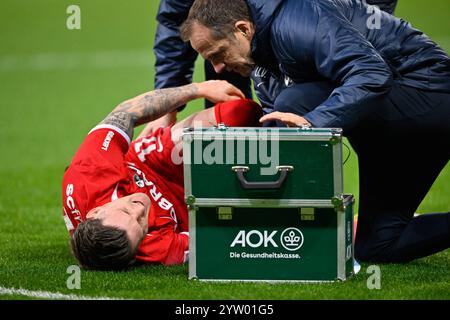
(240, 170)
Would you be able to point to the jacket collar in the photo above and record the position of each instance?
(263, 12)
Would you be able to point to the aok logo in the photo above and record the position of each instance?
(291, 239)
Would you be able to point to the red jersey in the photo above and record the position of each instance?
(107, 166)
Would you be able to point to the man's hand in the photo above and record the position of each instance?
(289, 119)
(219, 91)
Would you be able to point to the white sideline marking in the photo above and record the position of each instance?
(76, 60)
(49, 295)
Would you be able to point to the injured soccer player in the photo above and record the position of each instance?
(124, 200)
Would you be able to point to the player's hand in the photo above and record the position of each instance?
(162, 122)
(289, 119)
(219, 91)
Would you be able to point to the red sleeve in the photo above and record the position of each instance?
(95, 170)
(164, 245)
(105, 143)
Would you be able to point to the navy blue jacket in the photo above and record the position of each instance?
(329, 40)
(174, 58)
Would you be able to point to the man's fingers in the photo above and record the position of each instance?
(271, 116)
(239, 93)
(235, 92)
(290, 119)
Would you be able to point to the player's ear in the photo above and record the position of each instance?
(92, 214)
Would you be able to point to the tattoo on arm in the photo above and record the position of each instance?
(149, 106)
(121, 120)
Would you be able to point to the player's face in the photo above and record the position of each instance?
(129, 213)
(230, 54)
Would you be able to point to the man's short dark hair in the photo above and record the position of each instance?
(100, 247)
(217, 15)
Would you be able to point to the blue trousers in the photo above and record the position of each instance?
(402, 145)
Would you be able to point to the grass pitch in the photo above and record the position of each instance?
(56, 84)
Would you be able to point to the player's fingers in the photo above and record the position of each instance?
(236, 92)
(230, 98)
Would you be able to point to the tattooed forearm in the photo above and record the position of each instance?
(149, 106)
(152, 105)
(121, 120)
